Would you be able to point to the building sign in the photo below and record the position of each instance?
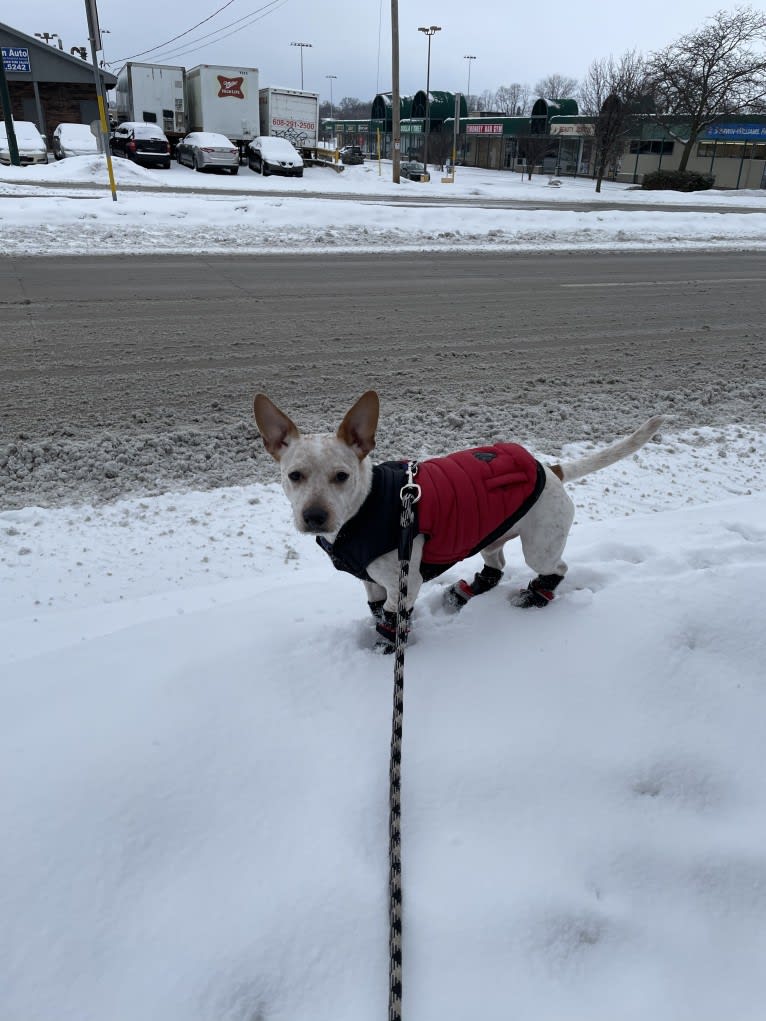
(230, 87)
(572, 129)
(411, 127)
(737, 132)
(484, 129)
(16, 58)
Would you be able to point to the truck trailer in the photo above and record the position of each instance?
(291, 114)
(224, 100)
(154, 93)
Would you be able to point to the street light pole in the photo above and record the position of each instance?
(102, 62)
(332, 78)
(430, 32)
(469, 58)
(302, 47)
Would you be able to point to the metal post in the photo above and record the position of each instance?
(430, 32)
(469, 57)
(94, 37)
(302, 47)
(5, 98)
(396, 143)
(455, 133)
(331, 77)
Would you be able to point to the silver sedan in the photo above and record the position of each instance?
(207, 150)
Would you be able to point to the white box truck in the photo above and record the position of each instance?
(225, 100)
(154, 93)
(291, 114)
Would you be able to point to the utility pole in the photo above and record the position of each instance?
(396, 143)
(94, 37)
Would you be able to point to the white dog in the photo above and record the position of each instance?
(471, 502)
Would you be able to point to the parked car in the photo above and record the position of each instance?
(207, 150)
(271, 155)
(413, 170)
(351, 155)
(74, 140)
(30, 143)
(141, 142)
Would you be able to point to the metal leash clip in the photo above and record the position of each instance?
(411, 487)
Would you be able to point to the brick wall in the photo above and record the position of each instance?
(60, 103)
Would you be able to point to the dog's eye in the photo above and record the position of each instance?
(295, 476)
(341, 476)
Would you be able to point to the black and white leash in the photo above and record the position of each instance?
(409, 494)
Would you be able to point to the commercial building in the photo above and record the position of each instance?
(47, 85)
(555, 138)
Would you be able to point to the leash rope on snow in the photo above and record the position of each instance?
(409, 494)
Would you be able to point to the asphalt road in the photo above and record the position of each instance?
(124, 374)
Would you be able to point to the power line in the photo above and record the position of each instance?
(215, 37)
(167, 42)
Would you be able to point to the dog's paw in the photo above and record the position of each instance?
(383, 647)
(456, 596)
(526, 598)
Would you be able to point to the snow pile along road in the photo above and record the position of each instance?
(189, 212)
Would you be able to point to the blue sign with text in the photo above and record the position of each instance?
(737, 132)
(16, 58)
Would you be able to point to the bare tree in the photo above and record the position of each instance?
(486, 101)
(513, 99)
(626, 77)
(556, 87)
(709, 74)
(609, 139)
(351, 108)
(533, 149)
(614, 90)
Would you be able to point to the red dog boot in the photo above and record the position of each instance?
(458, 594)
(539, 592)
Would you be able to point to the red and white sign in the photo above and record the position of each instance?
(230, 87)
(484, 129)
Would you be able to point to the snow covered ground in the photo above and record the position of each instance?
(193, 772)
(190, 212)
(194, 730)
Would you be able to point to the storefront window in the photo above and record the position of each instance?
(655, 147)
(733, 150)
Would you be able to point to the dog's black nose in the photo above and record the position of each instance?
(315, 518)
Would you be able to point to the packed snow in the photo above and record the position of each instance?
(194, 729)
(190, 212)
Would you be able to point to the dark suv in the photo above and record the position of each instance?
(141, 142)
(351, 155)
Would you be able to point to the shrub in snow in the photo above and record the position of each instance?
(677, 180)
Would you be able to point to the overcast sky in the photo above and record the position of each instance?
(519, 43)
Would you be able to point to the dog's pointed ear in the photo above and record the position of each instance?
(357, 429)
(274, 426)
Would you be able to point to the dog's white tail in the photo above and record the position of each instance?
(602, 459)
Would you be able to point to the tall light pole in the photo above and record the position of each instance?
(303, 47)
(102, 62)
(332, 78)
(430, 32)
(469, 58)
